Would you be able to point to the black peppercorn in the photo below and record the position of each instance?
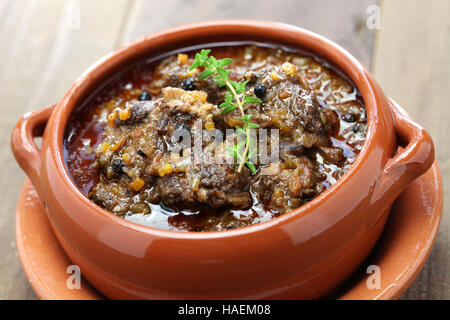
(117, 166)
(188, 84)
(144, 96)
(260, 90)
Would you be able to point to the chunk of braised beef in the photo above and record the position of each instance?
(111, 196)
(334, 155)
(286, 190)
(215, 94)
(173, 80)
(138, 111)
(175, 189)
(223, 177)
(301, 102)
(291, 148)
(219, 186)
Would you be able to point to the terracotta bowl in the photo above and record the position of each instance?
(301, 255)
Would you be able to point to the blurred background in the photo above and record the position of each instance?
(46, 44)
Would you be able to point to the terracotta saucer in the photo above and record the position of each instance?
(400, 253)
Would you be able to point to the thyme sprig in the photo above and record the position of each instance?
(234, 98)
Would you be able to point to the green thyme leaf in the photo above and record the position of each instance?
(194, 65)
(224, 104)
(228, 97)
(248, 99)
(239, 87)
(245, 118)
(241, 145)
(223, 73)
(240, 130)
(251, 166)
(205, 74)
(219, 81)
(224, 62)
(252, 125)
(233, 152)
(201, 59)
(228, 109)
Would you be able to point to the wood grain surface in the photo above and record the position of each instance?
(411, 62)
(46, 44)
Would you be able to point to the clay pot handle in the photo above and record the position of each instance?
(410, 162)
(25, 150)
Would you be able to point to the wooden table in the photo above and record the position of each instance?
(46, 44)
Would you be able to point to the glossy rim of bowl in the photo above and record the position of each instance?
(329, 50)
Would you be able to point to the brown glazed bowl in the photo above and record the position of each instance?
(300, 255)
